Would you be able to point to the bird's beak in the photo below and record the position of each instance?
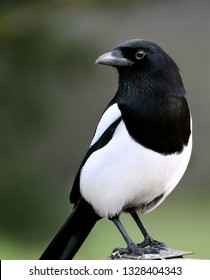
(114, 58)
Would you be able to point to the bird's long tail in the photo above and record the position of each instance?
(72, 234)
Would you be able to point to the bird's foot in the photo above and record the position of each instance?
(152, 246)
(132, 249)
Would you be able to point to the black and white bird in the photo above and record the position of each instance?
(139, 152)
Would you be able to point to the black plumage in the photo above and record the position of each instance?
(140, 150)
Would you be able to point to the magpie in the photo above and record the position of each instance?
(139, 152)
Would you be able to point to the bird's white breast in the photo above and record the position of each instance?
(124, 172)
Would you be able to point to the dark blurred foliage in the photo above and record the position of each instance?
(38, 67)
(52, 96)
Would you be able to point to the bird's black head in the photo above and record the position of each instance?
(145, 62)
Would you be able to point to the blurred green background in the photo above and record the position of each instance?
(52, 96)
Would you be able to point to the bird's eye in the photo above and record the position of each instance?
(140, 54)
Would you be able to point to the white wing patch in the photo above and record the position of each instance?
(109, 116)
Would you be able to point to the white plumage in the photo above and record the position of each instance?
(109, 116)
(138, 154)
(124, 172)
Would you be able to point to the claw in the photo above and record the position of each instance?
(149, 241)
(132, 249)
(120, 251)
(158, 245)
(152, 246)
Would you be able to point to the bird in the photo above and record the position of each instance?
(139, 152)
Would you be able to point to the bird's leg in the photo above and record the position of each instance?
(132, 248)
(154, 245)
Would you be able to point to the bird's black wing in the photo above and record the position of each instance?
(100, 143)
